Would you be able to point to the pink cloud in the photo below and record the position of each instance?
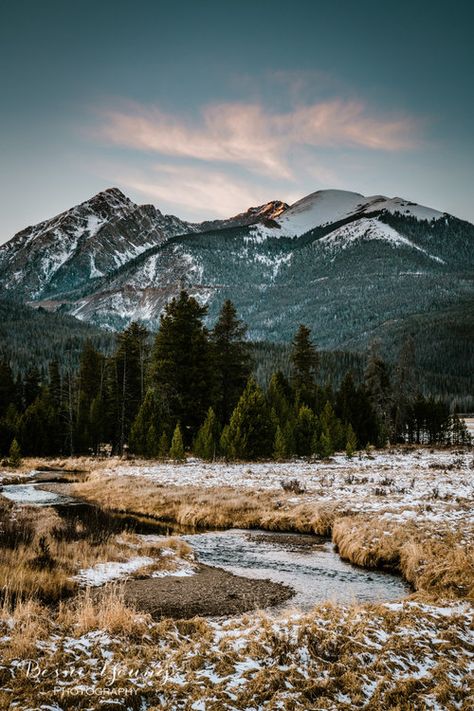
(249, 135)
(207, 193)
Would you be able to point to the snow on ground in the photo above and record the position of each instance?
(433, 485)
(349, 658)
(105, 572)
(182, 570)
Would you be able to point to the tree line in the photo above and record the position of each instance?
(192, 389)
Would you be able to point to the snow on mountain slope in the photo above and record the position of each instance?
(86, 242)
(327, 206)
(368, 229)
(109, 261)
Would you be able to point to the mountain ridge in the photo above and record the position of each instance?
(336, 260)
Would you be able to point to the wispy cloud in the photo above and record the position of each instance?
(250, 135)
(201, 192)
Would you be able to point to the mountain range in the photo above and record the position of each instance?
(348, 266)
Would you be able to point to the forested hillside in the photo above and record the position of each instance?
(191, 388)
(34, 337)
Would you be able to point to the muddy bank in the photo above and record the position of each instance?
(210, 592)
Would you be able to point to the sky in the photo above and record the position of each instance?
(206, 108)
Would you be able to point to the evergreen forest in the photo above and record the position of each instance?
(190, 389)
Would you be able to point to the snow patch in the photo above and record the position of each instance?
(105, 572)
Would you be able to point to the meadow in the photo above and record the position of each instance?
(408, 510)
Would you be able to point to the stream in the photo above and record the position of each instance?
(307, 563)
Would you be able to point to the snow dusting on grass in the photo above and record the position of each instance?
(410, 509)
(405, 484)
(406, 655)
(105, 572)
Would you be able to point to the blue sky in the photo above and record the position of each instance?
(205, 108)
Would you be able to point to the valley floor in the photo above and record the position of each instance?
(409, 510)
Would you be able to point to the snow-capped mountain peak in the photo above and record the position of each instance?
(328, 206)
(109, 260)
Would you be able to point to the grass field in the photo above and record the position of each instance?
(409, 511)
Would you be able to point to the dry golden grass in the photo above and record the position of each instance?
(23, 576)
(28, 622)
(194, 507)
(430, 557)
(371, 657)
(435, 562)
(70, 464)
(416, 654)
(104, 609)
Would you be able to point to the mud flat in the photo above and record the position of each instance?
(210, 592)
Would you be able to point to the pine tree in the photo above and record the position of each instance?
(459, 434)
(225, 445)
(207, 439)
(351, 442)
(14, 455)
(182, 364)
(90, 386)
(280, 446)
(142, 441)
(97, 422)
(405, 389)
(377, 381)
(54, 384)
(305, 360)
(31, 386)
(128, 381)
(324, 448)
(231, 360)
(7, 387)
(304, 431)
(152, 448)
(251, 433)
(279, 397)
(177, 447)
(164, 446)
(9, 426)
(333, 426)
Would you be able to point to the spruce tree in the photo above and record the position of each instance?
(14, 459)
(305, 360)
(280, 445)
(90, 386)
(177, 448)
(182, 363)
(31, 386)
(331, 424)
(304, 431)
(54, 384)
(152, 448)
(231, 360)
(225, 445)
(404, 389)
(279, 397)
(164, 446)
(251, 432)
(97, 422)
(325, 446)
(142, 441)
(351, 442)
(128, 380)
(377, 381)
(207, 439)
(458, 432)
(7, 387)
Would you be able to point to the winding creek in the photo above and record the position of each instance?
(306, 563)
